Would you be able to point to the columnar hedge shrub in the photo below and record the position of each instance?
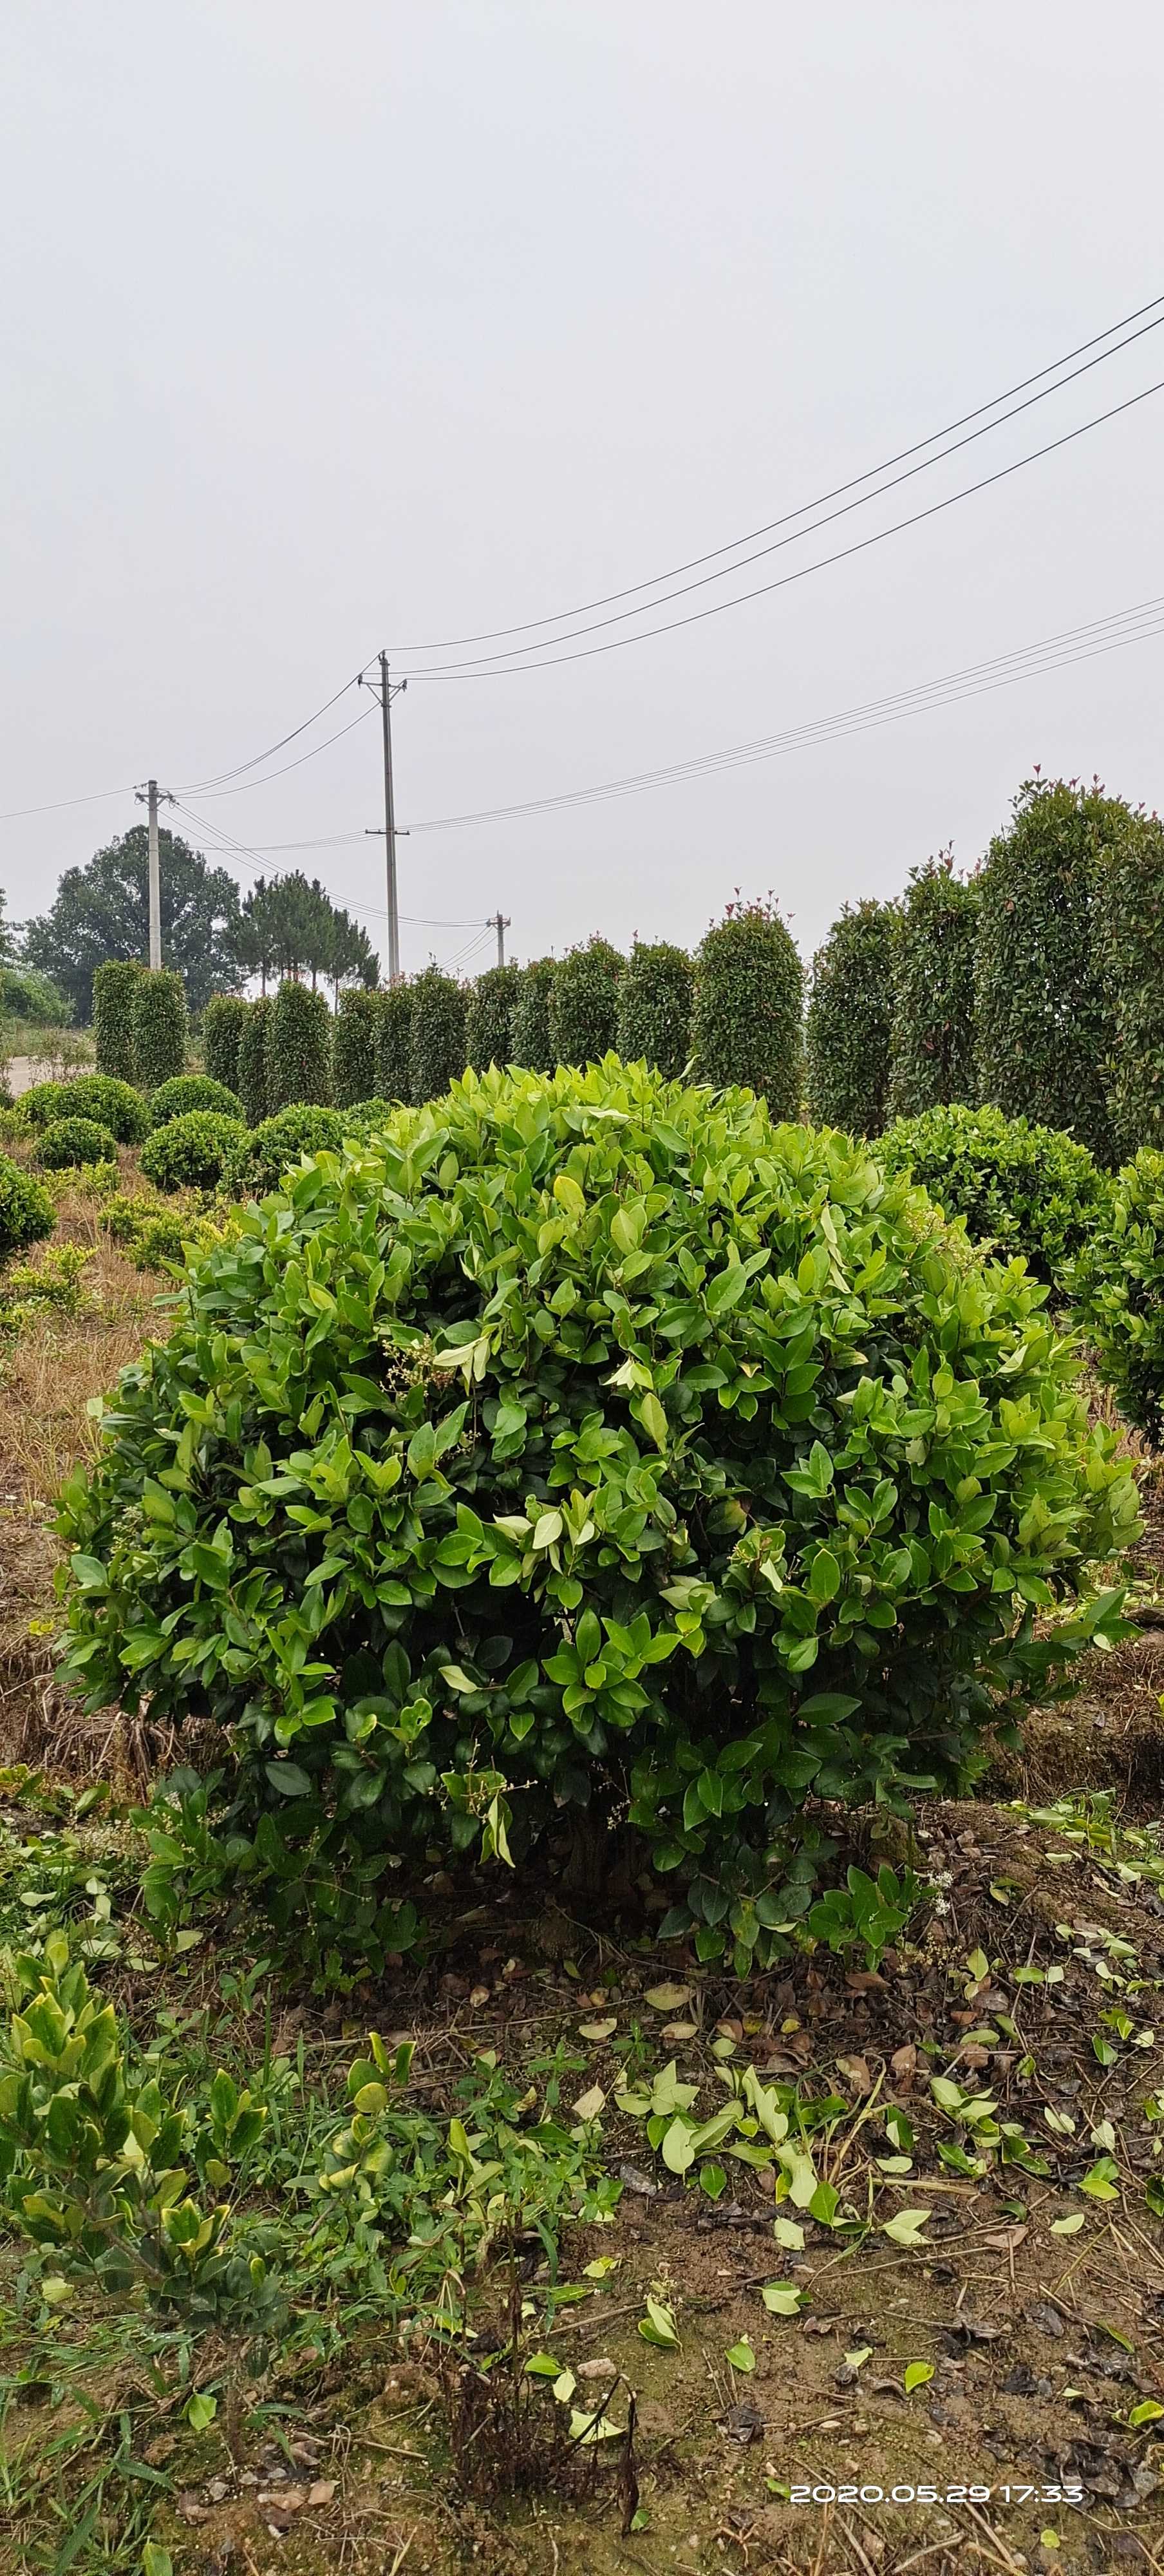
(489, 1018)
(1026, 1189)
(1118, 1282)
(394, 1045)
(749, 993)
(192, 1150)
(74, 1141)
(258, 1160)
(591, 1449)
(160, 1027)
(847, 1025)
(190, 1091)
(223, 1022)
(354, 1046)
(1045, 1024)
(532, 1043)
(438, 1034)
(27, 1214)
(932, 1056)
(584, 1003)
(252, 1062)
(298, 1047)
(655, 1001)
(114, 988)
(1131, 936)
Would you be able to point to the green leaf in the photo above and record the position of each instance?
(782, 2298)
(741, 2356)
(916, 2374)
(906, 2228)
(200, 2411)
(658, 2326)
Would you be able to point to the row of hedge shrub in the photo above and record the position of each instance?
(140, 1027)
(1036, 987)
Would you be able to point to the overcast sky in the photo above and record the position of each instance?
(328, 329)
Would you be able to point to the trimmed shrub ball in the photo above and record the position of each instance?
(27, 1213)
(188, 1091)
(277, 1144)
(73, 1142)
(192, 1152)
(592, 1449)
(1025, 1189)
(99, 1096)
(368, 1117)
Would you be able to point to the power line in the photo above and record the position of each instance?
(198, 785)
(861, 545)
(610, 599)
(304, 756)
(100, 796)
(223, 844)
(1056, 652)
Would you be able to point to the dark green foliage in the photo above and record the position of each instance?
(932, 1055)
(1131, 941)
(27, 1214)
(355, 1046)
(260, 1159)
(530, 1030)
(593, 1450)
(438, 1034)
(298, 1048)
(223, 1022)
(584, 1003)
(89, 1095)
(749, 993)
(289, 927)
(191, 1151)
(160, 1027)
(394, 1044)
(1026, 1189)
(190, 1091)
(73, 1141)
(847, 1026)
(114, 986)
(41, 1103)
(655, 1002)
(252, 1062)
(489, 1018)
(101, 912)
(367, 1117)
(26, 994)
(1118, 1282)
(1045, 1025)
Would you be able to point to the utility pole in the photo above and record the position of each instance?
(385, 693)
(500, 922)
(148, 796)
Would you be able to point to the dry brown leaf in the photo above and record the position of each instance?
(679, 2030)
(856, 2071)
(600, 2369)
(322, 2491)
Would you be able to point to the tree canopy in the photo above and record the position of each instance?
(102, 910)
(291, 927)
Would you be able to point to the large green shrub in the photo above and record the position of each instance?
(27, 994)
(298, 1048)
(161, 1031)
(74, 1141)
(190, 1091)
(223, 1022)
(749, 993)
(1045, 1025)
(438, 1034)
(532, 1043)
(259, 1159)
(355, 1046)
(584, 1003)
(1026, 1189)
(27, 1214)
(113, 1104)
(367, 1117)
(1131, 938)
(595, 1449)
(192, 1150)
(489, 1017)
(1118, 1281)
(394, 1045)
(932, 1056)
(847, 1025)
(655, 1002)
(252, 1062)
(114, 989)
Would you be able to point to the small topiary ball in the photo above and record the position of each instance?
(42, 1103)
(277, 1144)
(191, 1152)
(188, 1091)
(27, 1214)
(368, 1117)
(110, 1102)
(1024, 1189)
(76, 1141)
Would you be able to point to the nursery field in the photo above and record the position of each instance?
(613, 2248)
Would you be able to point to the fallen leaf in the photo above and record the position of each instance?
(741, 2356)
(1068, 2226)
(282, 2499)
(856, 2072)
(903, 2065)
(906, 2228)
(479, 1996)
(588, 2105)
(597, 2029)
(667, 1998)
(680, 2030)
(322, 2491)
(782, 2298)
(917, 2373)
